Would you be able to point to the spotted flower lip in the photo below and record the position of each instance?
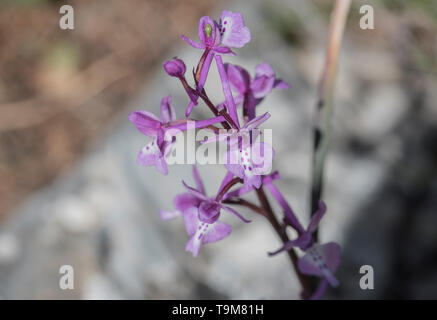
(321, 260)
(201, 214)
(233, 30)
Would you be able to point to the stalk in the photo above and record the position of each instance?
(324, 105)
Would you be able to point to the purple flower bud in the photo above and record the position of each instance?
(175, 67)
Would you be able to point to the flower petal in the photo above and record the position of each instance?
(146, 122)
(264, 69)
(168, 113)
(238, 77)
(234, 33)
(321, 260)
(229, 209)
(169, 214)
(230, 103)
(192, 43)
(224, 50)
(185, 201)
(161, 166)
(195, 192)
(150, 154)
(198, 180)
(211, 38)
(256, 122)
(262, 86)
(317, 216)
(262, 157)
(191, 220)
(218, 231)
(280, 84)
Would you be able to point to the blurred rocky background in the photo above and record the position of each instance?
(71, 193)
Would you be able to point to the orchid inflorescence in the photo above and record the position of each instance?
(244, 175)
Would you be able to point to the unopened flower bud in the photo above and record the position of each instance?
(175, 67)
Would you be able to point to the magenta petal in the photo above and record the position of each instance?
(256, 122)
(168, 215)
(262, 157)
(262, 86)
(280, 84)
(191, 220)
(198, 180)
(195, 192)
(287, 246)
(184, 201)
(209, 211)
(205, 69)
(317, 216)
(235, 33)
(191, 105)
(214, 37)
(168, 113)
(218, 231)
(161, 166)
(289, 214)
(304, 241)
(321, 260)
(175, 67)
(227, 90)
(253, 181)
(238, 77)
(224, 50)
(331, 253)
(193, 43)
(146, 122)
(193, 246)
(229, 209)
(264, 69)
(236, 169)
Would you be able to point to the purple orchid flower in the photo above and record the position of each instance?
(230, 32)
(155, 152)
(252, 90)
(201, 214)
(321, 260)
(217, 38)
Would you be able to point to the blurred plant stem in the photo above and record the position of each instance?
(280, 231)
(324, 105)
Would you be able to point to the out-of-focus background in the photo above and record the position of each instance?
(71, 193)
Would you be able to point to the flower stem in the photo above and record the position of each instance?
(304, 281)
(226, 188)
